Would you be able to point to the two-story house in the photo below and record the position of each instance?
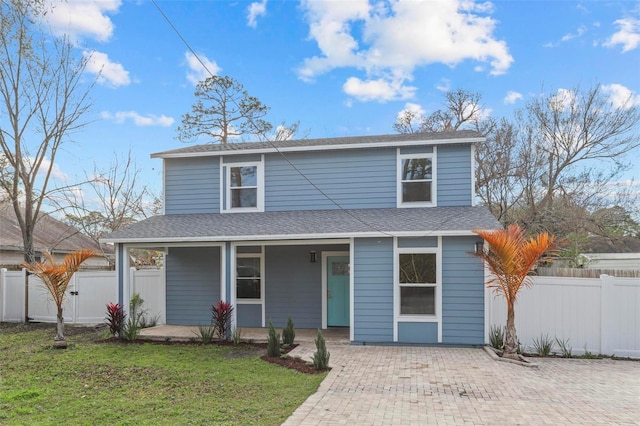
(371, 233)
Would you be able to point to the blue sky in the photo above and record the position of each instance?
(342, 68)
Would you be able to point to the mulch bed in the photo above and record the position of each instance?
(293, 363)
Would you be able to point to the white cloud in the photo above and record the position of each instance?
(256, 9)
(628, 35)
(82, 18)
(389, 39)
(562, 99)
(197, 72)
(582, 29)
(56, 172)
(138, 119)
(512, 97)
(415, 109)
(620, 96)
(380, 90)
(444, 85)
(110, 73)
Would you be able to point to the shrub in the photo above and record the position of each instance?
(321, 356)
(542, 345)
(205, 333)
(496, 337)
(221, 315)
(115, 319)
(565, 349)
(131, 329)
(136, 321)
(273, 341)
(236, 336)
(288, 333)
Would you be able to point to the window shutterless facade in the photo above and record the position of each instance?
(416, 180)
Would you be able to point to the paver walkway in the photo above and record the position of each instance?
(371, 385)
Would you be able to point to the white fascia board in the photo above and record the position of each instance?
(275, 150)
(293, 237)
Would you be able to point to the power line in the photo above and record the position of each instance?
(270, 142)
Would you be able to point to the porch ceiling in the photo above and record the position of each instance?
(307, 224)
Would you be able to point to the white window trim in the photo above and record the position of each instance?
(241, 301)
(398, 318)
(226, 184)
(434, 186)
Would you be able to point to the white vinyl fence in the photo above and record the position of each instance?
(87, 296)
(601, 315)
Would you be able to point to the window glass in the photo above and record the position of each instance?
(417, 268)
(416, 180)
(244, 197)
(416, 169)
(417, 300)
(248, 278)
(418, 282)
(244, 176)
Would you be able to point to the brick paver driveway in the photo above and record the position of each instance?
(416, 385)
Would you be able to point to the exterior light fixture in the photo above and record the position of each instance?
(312, 256)
(479, 246)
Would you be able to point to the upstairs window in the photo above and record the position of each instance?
(244, 187)
(416, 181)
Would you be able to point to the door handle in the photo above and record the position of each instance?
(73, 293)
(328, 294)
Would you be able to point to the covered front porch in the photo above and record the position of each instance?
(265, 281)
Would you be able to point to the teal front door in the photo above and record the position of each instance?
(338, 291)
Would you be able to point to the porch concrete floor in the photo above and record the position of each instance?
(303, 335)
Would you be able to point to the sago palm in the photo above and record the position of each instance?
(56, 277)
(510, 258)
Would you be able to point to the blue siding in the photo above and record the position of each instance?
(373, 290)
(462, 292)
(193, 284)
(454, 175)
(249, 315)
(418, 332)
(293, 285)
(417, 242)
(416, 149)
(192, 185)
(353, 178)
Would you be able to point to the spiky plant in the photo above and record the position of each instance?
(56, 277)
(510, 257)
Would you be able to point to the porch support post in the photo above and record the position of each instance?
(351, 288)
(120, 272)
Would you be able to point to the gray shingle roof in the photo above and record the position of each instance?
(49, 234)
(307, 224)
(217, 149)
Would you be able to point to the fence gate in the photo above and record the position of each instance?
(85, 298)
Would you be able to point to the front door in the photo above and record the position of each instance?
(338, 291)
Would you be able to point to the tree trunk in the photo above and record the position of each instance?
(510, 339)
(60, 341)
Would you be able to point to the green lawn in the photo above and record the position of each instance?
(132, 384)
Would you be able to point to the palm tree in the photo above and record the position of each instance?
(56, 277)
(510, 257)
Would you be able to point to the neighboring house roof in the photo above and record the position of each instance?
(629, 261)
(460, 136)
(49, 234)
(302, 224)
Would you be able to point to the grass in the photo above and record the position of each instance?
(136, 384)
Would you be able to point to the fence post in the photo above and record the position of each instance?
(3, 296)
(607, 325)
